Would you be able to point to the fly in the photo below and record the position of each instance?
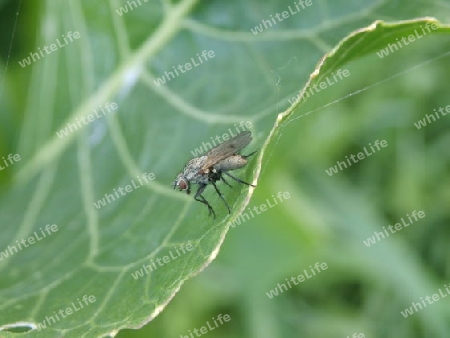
(211, 167)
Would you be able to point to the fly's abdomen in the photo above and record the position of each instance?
(231, 163)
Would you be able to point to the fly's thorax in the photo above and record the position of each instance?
(192, 171)
(231, 163)
(194, 166)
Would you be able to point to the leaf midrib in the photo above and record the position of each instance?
(169, 27)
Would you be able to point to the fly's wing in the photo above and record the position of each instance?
(227, 149)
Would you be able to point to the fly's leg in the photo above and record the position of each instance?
(238, 180)
(247, 156)
(217, 175)
(198, 197)
(220, 195)
(224, 181)
(235, 178)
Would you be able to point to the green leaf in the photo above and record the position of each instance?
(95, 252)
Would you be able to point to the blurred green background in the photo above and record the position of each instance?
(326, 218)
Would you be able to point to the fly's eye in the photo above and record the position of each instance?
(182, 184)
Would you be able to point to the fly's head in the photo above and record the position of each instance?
(182, 183)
